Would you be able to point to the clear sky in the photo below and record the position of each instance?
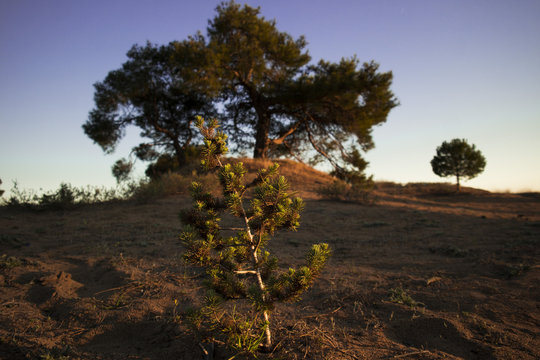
(462, 69)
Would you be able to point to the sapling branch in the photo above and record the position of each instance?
(240, 272)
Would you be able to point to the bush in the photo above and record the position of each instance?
(167, 163)
(169, 184)
(342, 191)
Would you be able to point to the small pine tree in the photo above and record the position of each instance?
(238, 266)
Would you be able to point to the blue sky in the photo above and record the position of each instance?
(462, 69)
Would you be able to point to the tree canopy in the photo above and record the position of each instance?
(458, 158)
(281, 105)
(153, 91)
(272, 99)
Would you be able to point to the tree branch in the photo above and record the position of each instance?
(281, 139)
(318, 148)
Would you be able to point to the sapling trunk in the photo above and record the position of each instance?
(260, 282)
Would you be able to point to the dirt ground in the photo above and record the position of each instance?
(417, 275)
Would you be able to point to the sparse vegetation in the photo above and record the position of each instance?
(171, 184)
(65, 197)
(343, 191)
(512, 271)
(400, 296)
(9, 262)
(449, 250)
(238, 266)
(100, 281)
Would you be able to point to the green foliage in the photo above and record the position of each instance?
(64, 197)
(166, 163)
(253, 61)
(49, 356)
(400, 296)
(122, 169)
(9, 262)
(154, 90)
(281, 105)
(237, 265)
(458, 158)
(1, 191)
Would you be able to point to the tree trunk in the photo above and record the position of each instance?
(458, 188)
(180, 154)
(261, 136)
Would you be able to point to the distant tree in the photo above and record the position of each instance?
(157, 90)
(1, 191)
(278, 104)
(458, 158)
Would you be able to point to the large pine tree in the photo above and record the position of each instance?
(274, 101)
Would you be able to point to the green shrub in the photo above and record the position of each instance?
(63, 198)
(342, 191)
(9, 262)
(170, 184)
(400, 296)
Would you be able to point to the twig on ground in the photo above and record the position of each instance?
(208, 354)
(136, 283)
(326, 314)
(336, 346)
(410, 354)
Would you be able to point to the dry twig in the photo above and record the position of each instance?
(410, 354)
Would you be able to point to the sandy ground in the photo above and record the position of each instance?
(100, 282)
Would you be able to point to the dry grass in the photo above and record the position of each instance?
(301, 177)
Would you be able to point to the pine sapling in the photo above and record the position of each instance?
(237, 265)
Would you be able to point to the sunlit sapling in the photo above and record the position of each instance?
(238, 266)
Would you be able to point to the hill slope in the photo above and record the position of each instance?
(419, 274)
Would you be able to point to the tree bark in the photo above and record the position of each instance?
(458, 188)
(261, 136)
(180, 153)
